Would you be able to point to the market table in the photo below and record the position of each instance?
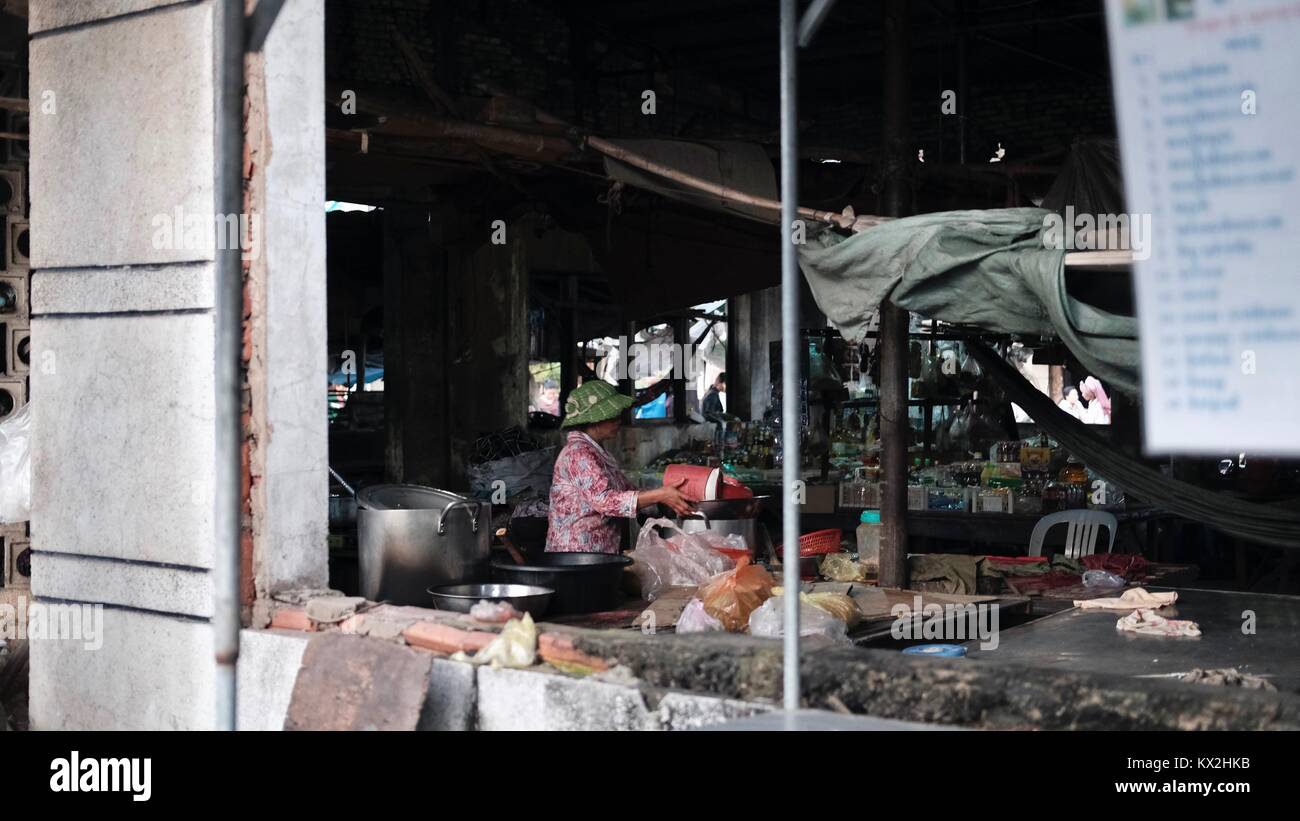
(1077, 640)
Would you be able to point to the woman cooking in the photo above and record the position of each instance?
(588, 491)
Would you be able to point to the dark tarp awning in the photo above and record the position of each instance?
(989, 269)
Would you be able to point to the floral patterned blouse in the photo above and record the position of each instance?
(588, 492)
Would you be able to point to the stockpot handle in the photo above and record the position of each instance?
(472, 507)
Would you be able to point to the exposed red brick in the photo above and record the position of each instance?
(558, 649)
(441, 638)
(291, 618)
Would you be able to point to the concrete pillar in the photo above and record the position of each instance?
(289, 426)
(755, 323)
(417, 402)
(488, 335)
(123, 346)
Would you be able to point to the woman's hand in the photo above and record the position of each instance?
(670, 496)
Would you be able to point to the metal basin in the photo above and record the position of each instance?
(411, 538)
(522, 597)
(583, 582)
(747, 508)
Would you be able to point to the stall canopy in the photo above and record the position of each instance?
(989, 269)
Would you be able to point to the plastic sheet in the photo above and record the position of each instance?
(768, 621)
(493, 612)
(677, 559)
(840, 567)
(694, 619)
(514, 646)
(1103, 579)
(16, 467)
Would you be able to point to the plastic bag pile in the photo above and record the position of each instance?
(16, 467)
(674, 559)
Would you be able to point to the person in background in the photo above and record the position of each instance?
(548, 401)
(711, 405)
(1071, 404)
(589, 493)
(1098, 410)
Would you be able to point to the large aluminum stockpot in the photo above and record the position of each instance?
(750, 529)
(412, 537)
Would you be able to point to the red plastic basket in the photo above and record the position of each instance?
(820, 542)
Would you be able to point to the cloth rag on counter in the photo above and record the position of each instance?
(1133, 597)
(954, 573)
(1147, 623)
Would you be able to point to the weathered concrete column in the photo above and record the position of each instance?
(417, 401)
(895, 429)
(123, 249)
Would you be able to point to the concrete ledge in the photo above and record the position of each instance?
(269, 661)
(186, 591)
(116, 290)
(44, 15)
(961, 692)
(542, 699)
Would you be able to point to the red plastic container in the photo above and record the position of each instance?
(705, 483)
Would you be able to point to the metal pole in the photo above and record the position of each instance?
(895, 429)
(812, 20)
(227, 494)
(790, 351)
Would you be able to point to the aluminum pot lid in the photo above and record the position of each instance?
(405, 497)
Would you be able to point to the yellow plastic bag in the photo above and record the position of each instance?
(840, 567)
(839, 605)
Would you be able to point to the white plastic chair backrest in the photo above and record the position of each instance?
(1081, 537)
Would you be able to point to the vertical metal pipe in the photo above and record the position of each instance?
(790, 353)
(227, 493)
(895, 429)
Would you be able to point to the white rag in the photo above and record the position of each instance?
(1146, 622)
(1134, 597)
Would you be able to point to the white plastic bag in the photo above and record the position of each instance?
(768, 621)
(695, 619)
(676, 560)
(1102, 578)
(515, 646)
(16, 467)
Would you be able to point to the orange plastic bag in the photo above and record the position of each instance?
(731, 596)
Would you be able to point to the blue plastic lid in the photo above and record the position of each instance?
(870, 517)
(941, 650)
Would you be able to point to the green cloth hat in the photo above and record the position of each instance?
(594, 401)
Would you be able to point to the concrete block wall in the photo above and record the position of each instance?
(464, 697)
(123, 330)
(287, 379)
(15, 318)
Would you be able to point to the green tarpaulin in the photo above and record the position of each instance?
(989, 269)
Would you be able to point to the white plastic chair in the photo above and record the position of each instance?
(1081, 537)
